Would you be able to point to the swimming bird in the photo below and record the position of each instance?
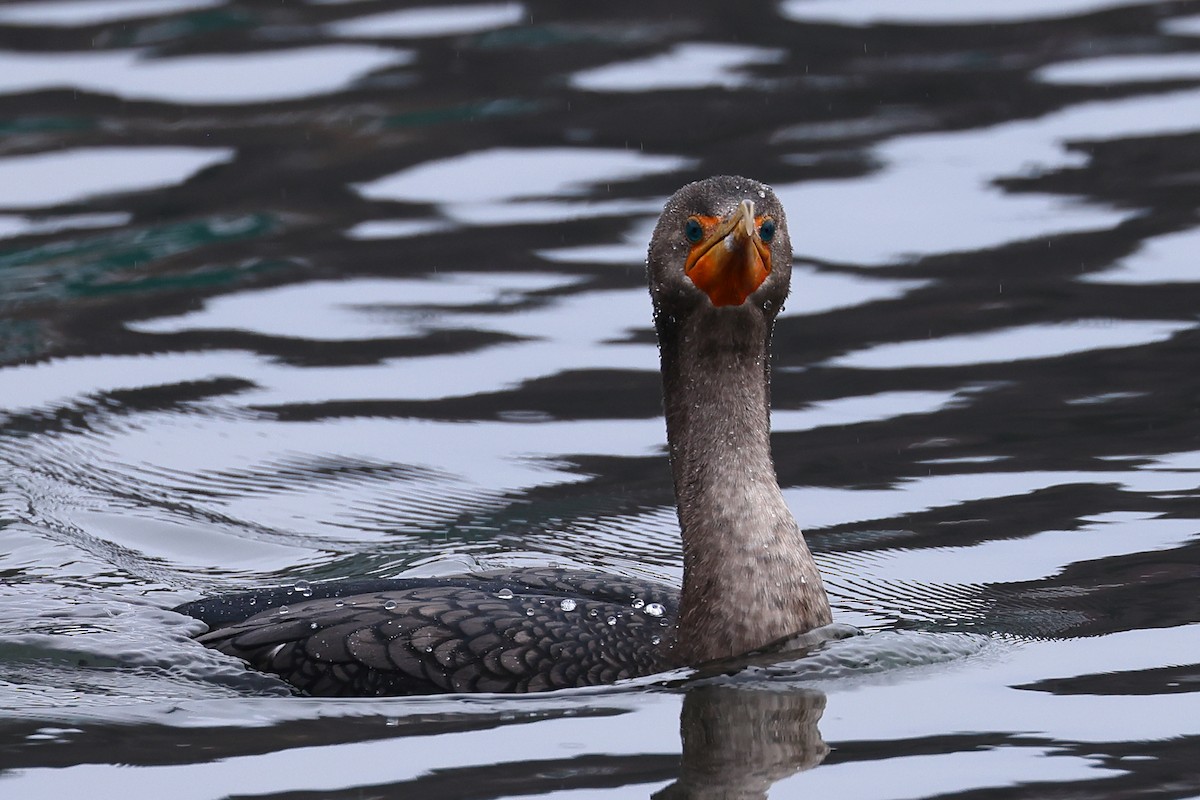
(719, 269)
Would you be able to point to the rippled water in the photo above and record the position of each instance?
(294, 291)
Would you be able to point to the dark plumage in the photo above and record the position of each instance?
(719, 269)
(497, 631)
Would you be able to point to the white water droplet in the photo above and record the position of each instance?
(389, 605)
(612, 620)
(655, 609)
(529, 612)
(304, 588)
(505, 594)
(638, 602)
(253, 601)
(656, 639)
(312, 626)
(567, 605)
(283, 609)
(339, 603)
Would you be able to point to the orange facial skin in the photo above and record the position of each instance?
(731, 260)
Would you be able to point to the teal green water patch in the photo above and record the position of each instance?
(502, 107)
(197, 23)
(20, 340)
(203, 278)
(64, 269)
(22, 125)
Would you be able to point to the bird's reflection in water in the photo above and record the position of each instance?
(739, 740)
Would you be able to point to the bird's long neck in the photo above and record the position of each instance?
(748, 578)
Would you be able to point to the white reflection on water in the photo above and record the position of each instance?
(985, 770)
(395, 228)
(568, 332)
(820, 507)
(261, 459)
(414, 23)
(856, 410)
(1171, 258)
(521, 212)
(1122, 69)
(895, 211)
(59, 382)
(685, 66)
(511, 184)
(366, 308)
(984, 697)
(414, 378)
(78, 13)
(186, 543)
(942, 12)
(1048, 340)
(1029, 558)
(12, 225)
(815, 291)
(227, 78)
(1183, 26)
(64, 176)
(935, 192)
(334, 767)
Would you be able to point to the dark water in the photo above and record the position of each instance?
(300, 291)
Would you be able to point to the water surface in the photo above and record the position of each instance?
(300, 291)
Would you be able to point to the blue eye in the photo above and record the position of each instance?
(693, 230)
(766, 231)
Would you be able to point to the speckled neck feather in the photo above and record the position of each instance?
(749, 578)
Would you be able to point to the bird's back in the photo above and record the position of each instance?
(520, 630)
